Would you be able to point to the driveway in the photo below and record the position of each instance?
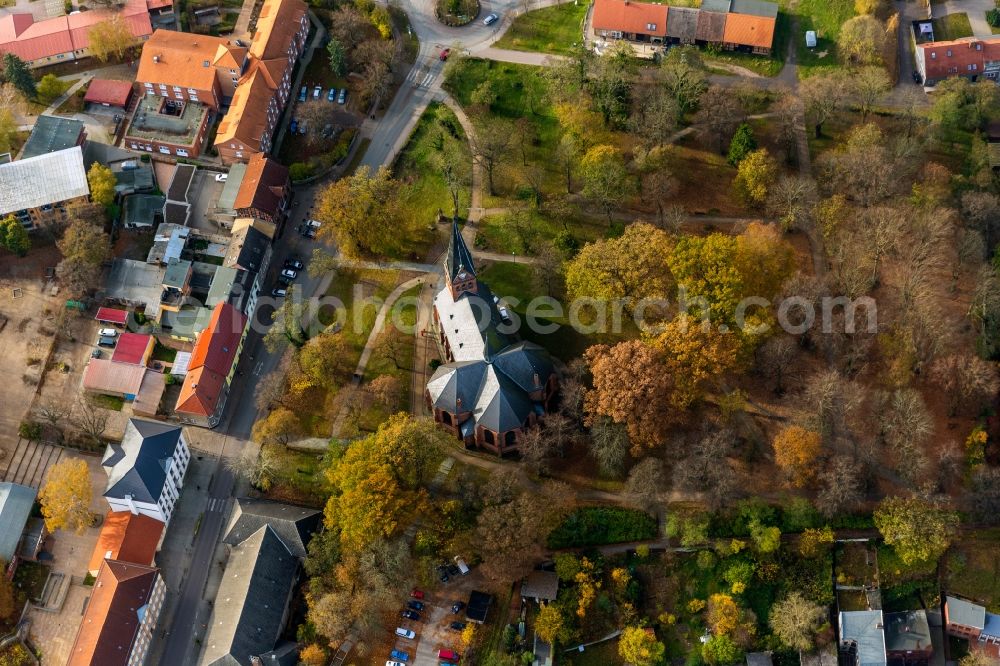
(976, 9)
(204, 197)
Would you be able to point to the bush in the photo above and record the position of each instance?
(993, 17)
(300, 171)
(597, 525)
(30, 431)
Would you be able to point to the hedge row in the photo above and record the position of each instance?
(598, 525)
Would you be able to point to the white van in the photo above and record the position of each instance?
(108, 333)
(462, 566)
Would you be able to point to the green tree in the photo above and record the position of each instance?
(755, 176)
(102, 184)
(606, 181)
(682, 74)
(743, 144)
(110, 37)
(16, 72)
(766, 539)
(362, 213)
(484, 96)
(918, 529)
(13, 236)
(50, 87)
(721, 651)
(338, 56)
(639, 648)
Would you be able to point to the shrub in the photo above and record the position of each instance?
(597, 525)
(300, 171)
(30, 431)
(993, 17)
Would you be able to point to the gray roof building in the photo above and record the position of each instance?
(143, 210)
(136, 466)
(247, 250)
(759, 659)
(294, 525)
(540, 586)
(682, 24)
(721, 6)
(42, 180)
(458, 257)
(250, 605)
(754, 8)
(861, 634)
(908, 632)
(227, 198)
(139, 177)
(964, 613)
(711, 24)
(181, 183)
(15, 509)
(52, 133)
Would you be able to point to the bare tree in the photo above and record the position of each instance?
(981, 211)
(644, 482)
(985, 494)
(825, 95)
(257, 466)
(792, 200)
(776, 360)
(54, 414)
(90, 419)
(967, 381)
(833, 400)
(707, 467)
(718, 116)
(490, 145)
(609, 444)
(270, 389)
(536, 448)
(841, 487)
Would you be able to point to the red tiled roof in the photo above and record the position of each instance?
(111, 315)
(211, 360)
(127, 537)
(131, 348)
(158, 4)
(106, 376)
(630, 17)
(938, 64)
(111, 621)
(106, 91)
(262, 185)
(747, 30)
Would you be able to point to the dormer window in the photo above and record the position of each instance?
(651, 27)
(204, 63)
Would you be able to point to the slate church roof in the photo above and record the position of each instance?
(137, 465)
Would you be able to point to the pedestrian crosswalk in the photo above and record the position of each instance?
(216, 504)
(420, 77)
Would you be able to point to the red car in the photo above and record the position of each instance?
(450, 655)
(417, 594)
(445, 53)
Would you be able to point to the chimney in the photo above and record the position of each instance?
(458, 403)
(156, 58)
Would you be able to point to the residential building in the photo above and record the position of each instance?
(744, 25)
(493, 386)
(120, 616)
(968, 620)
(540, 586)
(478, 607)
(198, 71)
(146, 469)
(862, 638)
(126, 537)
(213, 364)
(908, 638)
(108, 92)
(15, 511)
(38, 189)
(265, 190)
(64, 38)
(969, 57)
(133, 348)
(51, 134)
(294, 525)
(759, 659)
(251, 606)
(168, 126)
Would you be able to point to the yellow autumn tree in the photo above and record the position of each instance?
(639, 647)
(549, 623)
(110, 37)
(588, 583)
(755, 176)
(280, 426)
(695, 356)
(313, 655)
(723, 614)
(102, 182)
(795, 451)
(65, 497)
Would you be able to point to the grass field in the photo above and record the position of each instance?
(952, 26)
(549, 30)
(763, 65)
(825, 17)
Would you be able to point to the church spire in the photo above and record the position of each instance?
(458, 259)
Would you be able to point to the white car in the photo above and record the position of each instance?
(491, 19)
(108, 333)
(289, 274)
(390, 662)
(405, 633)
(314, 224)
(221, 177)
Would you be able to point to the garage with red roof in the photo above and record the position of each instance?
(107, 92)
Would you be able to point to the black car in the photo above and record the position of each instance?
(410, 615)
(453, 570)
(308, 232)
(415, 605)
(457, 607)
(457, 626)
(443, 573)
(916, 77)
(294, 264)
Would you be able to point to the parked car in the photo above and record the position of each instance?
(448, 654)
(491, 19)
(390, 662)
(108, 333)
(342, 97)
(453, 570)
(293, 126)
(106, 342)
(279, 292)
(294, 264)
(400, 655)
(96, 353)
(415, 605)
(457, 607)
(444, 54)
(317, 91)
(308, 232)
(405, 633)
(314, 224)
(302, 129)
(457, 626)
(332, 95)
(221, 177)
(462, 566)
(442, 570)
(303, 93)
(289, 274)
(417, 593)
(410, 615)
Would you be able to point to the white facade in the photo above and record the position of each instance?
(148, 616)
(163, 508)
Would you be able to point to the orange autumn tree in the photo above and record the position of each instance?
(795, 450)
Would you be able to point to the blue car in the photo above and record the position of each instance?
(303, 93)
(400, 655)
(294, 126)
(332, 95)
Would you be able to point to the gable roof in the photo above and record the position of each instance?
(116, 609)
(50, 134)
(43, 179)
(458, 258)
(540, 585)
(179, 59)
(127, 537)
(132, 348)
(277, 24)
(136, 466)
(943, 59)
(749, 30)
(250, 604)
(630, 17)
(211, 361)
(761, 8)
(682, 23)
(247, 248)
(715, 6)
(15, 509)
(907, 631)
(711, 25)
(294, 525)
(262, 185)
(862, 631)
(965, 613)
(104, 375)
(246, 120)
(108, 91)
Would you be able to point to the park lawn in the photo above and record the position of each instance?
(437, 133)
(952, 26)
(602, 654)
(825, 17)
(299, 477)
(360, 292)
(497, 235)
(972, 570)
(553, 29)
